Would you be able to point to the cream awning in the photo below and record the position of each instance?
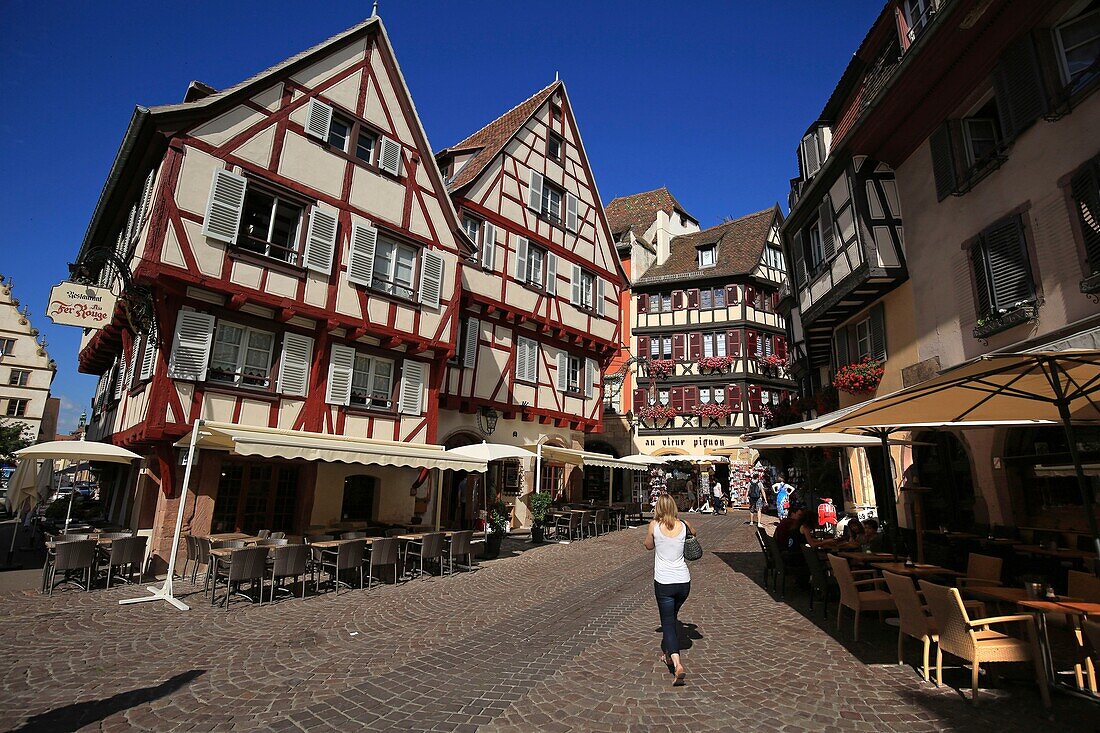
(818, 440)
(246, 440)
(575, 457)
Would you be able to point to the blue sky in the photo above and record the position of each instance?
(707, 98)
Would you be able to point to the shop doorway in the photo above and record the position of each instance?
(944, 467)
(255, 496)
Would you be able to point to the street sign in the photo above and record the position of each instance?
(81, 305)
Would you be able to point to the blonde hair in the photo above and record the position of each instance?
(665, 511)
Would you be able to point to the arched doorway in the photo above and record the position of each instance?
(598, 480)
(462, 495)
(944, 467)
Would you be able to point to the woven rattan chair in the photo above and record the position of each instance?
(115, 535)
(974, 641)
(288, 561)
(603, 521)
(347, 556)
(383, 552)
(71, 557)
(127, 552)
(859, 595)
(428, 548)
(460, 546)
(247, 563)
(914, 619)
(981, 570)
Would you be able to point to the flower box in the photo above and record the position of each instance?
(714, 364)
(996, 323)
(660, 368)
(862, 377)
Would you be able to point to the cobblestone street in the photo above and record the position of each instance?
(562, 637)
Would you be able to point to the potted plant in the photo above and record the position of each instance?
(495, 529)
(539, 504)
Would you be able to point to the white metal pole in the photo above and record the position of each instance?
(165, 592)
(538, 469)
(437, 491)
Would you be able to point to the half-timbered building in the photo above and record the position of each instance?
(304, 260)
(540, 296)
(26, 370)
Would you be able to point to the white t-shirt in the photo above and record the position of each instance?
(669, 565)
(717, 489)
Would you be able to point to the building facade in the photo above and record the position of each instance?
(26, 370)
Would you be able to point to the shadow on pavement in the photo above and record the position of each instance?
(73, 717)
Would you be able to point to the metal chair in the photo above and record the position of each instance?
(353, 535)
(213, 561)
(247, 563)
(820, 587)
(69, 557)
(278, 536)
(383, 551)
(348, 556)
(263, 534)
(289, 561)
(128, 552)
(272, 543)
(460, 545)
(601, 522)
(429, 547)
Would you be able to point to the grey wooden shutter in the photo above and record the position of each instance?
(131, 368)
(149, 355)
(533, 361)
(943, 161)
(120, 376)
(575, 297)
(389, 157)
(364, 239)
(191, 345)
(521, 259)
(572, 220)
(223, 209)
(147, 196)
(599, 296)
(521, 360)
(551, 273)
(798, 257)
(590, 374)
(410, 399)
(840, 348)
(811, 163)
(294, 364)
(1085, 190)
(563, 371)
(1018, 87)
(534, 191)
(828, 237)
(340, 365)
(320, 240)
(983, 295)
(878, 332)
(470, 345)
(431, 279)
(1009, 266)
(488, 245)
(318, 119)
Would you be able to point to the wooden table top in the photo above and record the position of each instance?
(1065, 553)
(998, 593)
(900, 568)
(866, 557)
(329, 544)
(228, 536)
(1067, 606)
(951, 535)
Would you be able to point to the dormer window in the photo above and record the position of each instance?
(708, 255)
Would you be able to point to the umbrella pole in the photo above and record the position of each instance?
(1082, 482)
(885, 496)
(164, 593)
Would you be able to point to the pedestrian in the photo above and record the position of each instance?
(719, 498)
(783, 491)
(671, 579)
(756, 501)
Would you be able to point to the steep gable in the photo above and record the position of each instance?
(638, 211)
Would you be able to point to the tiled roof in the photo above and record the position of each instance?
(489, 140)
(740, 247)
(637, 212)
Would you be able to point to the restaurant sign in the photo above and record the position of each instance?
(80, 305)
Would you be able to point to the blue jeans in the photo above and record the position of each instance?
(670, 596)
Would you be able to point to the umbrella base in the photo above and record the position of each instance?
(158, 594)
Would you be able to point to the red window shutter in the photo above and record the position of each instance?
(679, 348)
(643, 304)
(691, 398)
(733, 294)
(750, 341)
(677, 300)
(733, 396)
(733, 343)
(754, 398)
(750, 296)
(640, 398)
(775, 301)
(643, 346)
(693, 298)
(781, 347)
(676, 398)
(695, 346)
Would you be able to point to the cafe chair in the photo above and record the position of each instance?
(974, 641)
(428, 548)
(191, 555)
(72, 557)
(127, 552)
(460, 546)
(277, 536)
(269, 542)
(382, 552)
(981, 570)
(288, 561)
(244, 564)
(769, 565)
(820, 585)
(854, 596)
(263, 534)
(347, 556)
(779, 564)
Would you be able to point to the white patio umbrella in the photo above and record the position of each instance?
(21, 494)
(490, 451)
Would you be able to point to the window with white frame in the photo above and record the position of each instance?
(708, 255)
(773, 257)
(660, 347)
(817, 249)
(982, 134)
(576, 368)
(536, 265)
(714, 344)
(666, 302)
(551, 202)
(394, 267)
(719, 394)
(241, 356)
(7, 346)
(704, 394)
(662, 396)
(1078, 43)
(372, 382)
(472, 228)
(554, 147)
(706, 298)
(588, 289)
(863, 339)
(270, 224)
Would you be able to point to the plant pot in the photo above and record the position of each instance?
(492, 544)
(538, 534)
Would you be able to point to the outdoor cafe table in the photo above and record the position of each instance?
(1073, 609)
(230, 536)
(1062, 553)
(920, 570)
(866, 558)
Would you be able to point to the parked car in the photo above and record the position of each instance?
(86, 489)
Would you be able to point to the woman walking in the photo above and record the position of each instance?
(671, 579)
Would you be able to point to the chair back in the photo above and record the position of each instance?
(136, 545)
(773, 551)
(75, 555)
(1085, 586)
(269, 542)
(352, 535)
(914, 621)
(383, 552)
(817, 571)
(71, 537)
(115, 535)
(760, 535)
(248, 563)
(263, 534)
(350, 554)
(192, 548)
(277, 536)
(984, 567)
(460, 542)
(432, 547)
(1092, 633)
(849, 593)
(395, 532)
(202, 550)
(121, 550)
(290, 560)
(574, 521)
(601, 516)
(228, 544)
(950, 618)
(310, 539)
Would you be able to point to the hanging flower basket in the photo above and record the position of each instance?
(862, 377)
(772, 364)
(714, 364)
(660, 368)
(713, 410)
(653, 413)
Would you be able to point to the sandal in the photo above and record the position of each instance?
(680, 675)
(668, 663)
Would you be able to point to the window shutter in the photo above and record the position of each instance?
(693, 298)
(191, 345)
(799, 264)
(340, 364)
(526, 354)
(488, 245)
(599, 297)
(733, 343)
(691, 398)
(410, 399)
(1009, 267)
(695, 345)
(131, 368)
(811, 163)
(641, 398)
(1085, 189)
(676, 398)
(781, 347)
(551, 273)
(983, 297)
(943, 161)
(534, 192)
(361, 254)
(469, 347)
(679, 346)
(825, 217)
(751, 340)
(754, 398)
(563, 371)
(643, 346)
(1018, 87)
(840, 348)
(679, 300)
(521, 259)
(733, 295)
(575, 282)
(120, 376)
(533, 361)
(320, 240)
(149, 355)
(572, 221)
(643, 304)
(431, 278)
(223, 210)
(733, 396)
(147, 196)
(878, 332)
(389, 158)
(318, 119)
(294, 364)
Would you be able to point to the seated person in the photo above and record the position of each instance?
(852, 536)
(806, 528)
(872, 538)
(787, 530)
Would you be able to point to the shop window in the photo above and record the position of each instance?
(255, 496)
(359, 496)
